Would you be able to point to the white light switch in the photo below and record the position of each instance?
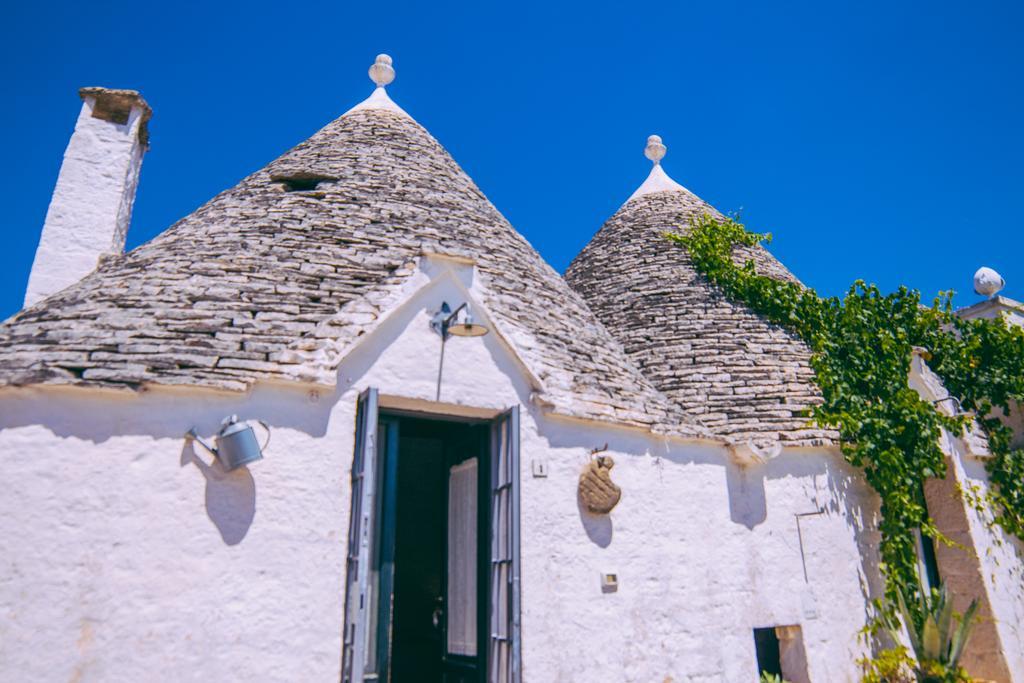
(809, 604)
(540, 468)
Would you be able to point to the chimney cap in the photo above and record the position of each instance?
(116, 105)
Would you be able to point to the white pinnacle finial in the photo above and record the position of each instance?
(382, 72)
(988, 282)
(658, 180)
(655, 151)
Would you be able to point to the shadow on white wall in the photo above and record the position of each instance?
(599, 528)
(230, 496)
(747, 503)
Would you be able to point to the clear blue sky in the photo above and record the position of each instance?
(881, 141)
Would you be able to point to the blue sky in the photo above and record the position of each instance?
(881, 141)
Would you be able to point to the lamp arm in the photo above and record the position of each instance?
(448, 321)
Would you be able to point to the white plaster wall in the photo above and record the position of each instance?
(704, 553)
(92, 202)
(124, 560)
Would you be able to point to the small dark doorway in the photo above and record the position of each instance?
(780, 652)
(766, 645)
(435, 484)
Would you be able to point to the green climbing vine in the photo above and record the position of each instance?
(861, 348)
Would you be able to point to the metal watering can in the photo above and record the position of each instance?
(236, 443)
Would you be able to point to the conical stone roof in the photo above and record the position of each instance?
(741, 376)
(249, 286)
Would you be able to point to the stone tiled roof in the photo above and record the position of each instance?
(742, 377)
(251, 284)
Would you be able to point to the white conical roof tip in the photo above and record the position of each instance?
(382, 73)
(655, 150)
(658, 180)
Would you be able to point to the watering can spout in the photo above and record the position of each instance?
(236, 443)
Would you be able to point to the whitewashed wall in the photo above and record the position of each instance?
(704, 553)
(122, 558)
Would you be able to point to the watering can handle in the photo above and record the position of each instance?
(266, 427)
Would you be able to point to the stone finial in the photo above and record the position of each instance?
(655, 151)
(988, 282)
(382, 73)
(658, 180)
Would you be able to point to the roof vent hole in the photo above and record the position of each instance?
(301, 182)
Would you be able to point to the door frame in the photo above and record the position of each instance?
(369, 520)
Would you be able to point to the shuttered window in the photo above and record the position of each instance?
(503, 657)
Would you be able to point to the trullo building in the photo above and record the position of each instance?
(476, 469)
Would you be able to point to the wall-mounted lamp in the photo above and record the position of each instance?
(236, 443)
(445, 322)
(958, 409)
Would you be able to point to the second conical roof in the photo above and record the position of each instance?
(741, 376)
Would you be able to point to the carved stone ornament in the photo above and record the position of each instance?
(597, 490)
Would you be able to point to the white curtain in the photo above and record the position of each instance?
(462, 558)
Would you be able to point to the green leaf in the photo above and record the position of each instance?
(962, 634)
(908, 623)
(930, 644)
(861, 347)
(945, 618)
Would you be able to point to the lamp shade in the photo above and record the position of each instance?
(467, 328)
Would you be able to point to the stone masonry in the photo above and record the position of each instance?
(231, 293)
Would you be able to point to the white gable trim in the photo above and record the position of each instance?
(318, 357)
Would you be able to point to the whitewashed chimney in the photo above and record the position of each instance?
(92, 202)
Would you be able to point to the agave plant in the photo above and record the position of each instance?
(936, 643)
